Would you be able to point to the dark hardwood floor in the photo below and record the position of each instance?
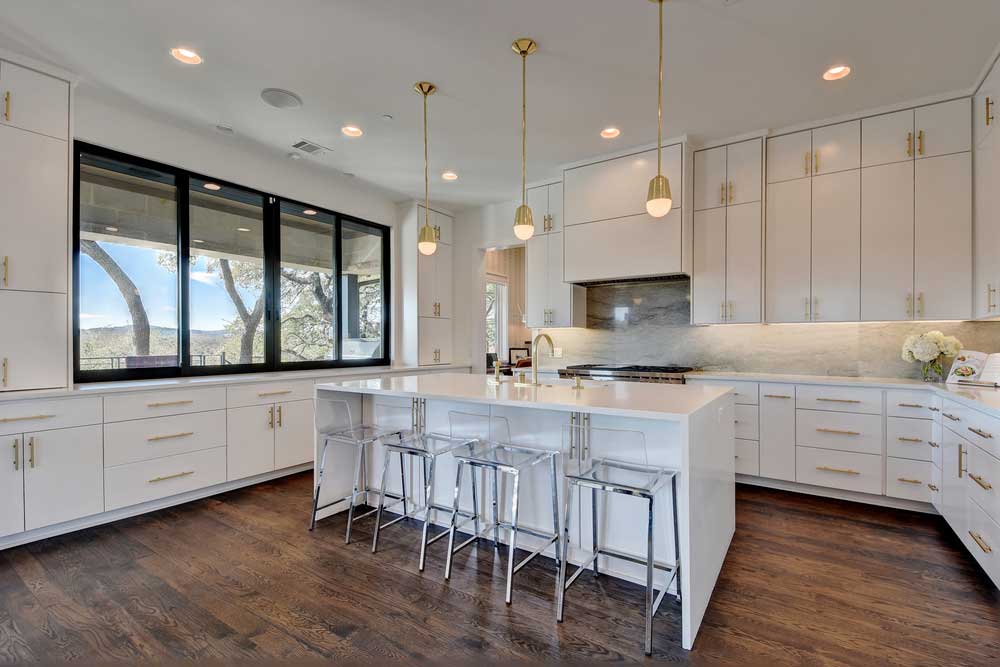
(808, 581)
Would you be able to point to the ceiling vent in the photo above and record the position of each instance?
(310, 147)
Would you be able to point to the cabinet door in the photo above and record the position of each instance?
(710, 178)
(984, 107)
(986, 228)
(836, 247)
(427, 283)
(536, 281)
(787, 269)
(294, 437)
(777, 431)
(64, 475)
(837, 148)
(888, 138)
(642, 246)
(12, 461)
(250, 441)
(743, 165)
(38, 102)
(789, 157)
(953, 481)
(34, 340)
(555, 207)
(538, 201)
(887, 242)
(435, 341)
(443, 224)
(943, 237)
(708, 280)
(743, 263)
(946, 128)
(33, 192)
(559, 295)
(443, 279)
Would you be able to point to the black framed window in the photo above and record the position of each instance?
(177, 273)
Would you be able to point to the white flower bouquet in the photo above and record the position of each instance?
(930, 349)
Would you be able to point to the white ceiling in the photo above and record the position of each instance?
(733, 66)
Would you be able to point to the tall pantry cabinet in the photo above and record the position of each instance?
(34, 229)
(986, 199)
(427, 290)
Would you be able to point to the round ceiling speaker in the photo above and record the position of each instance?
(281, 99)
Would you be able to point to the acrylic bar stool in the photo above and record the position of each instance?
(427, 447)
(627, 474)
(359, 437)
(501, 458)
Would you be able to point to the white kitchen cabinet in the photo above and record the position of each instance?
(836, 148)
(887, 138)
(250, 441)
(435, 336)
(943, 237)
(434, 282)
(638, 246)
(710, 178)
(536, 281)
(984, 107)
(836, 247)
(789, 157)
(986, 227)
(294, 437)
(546, 202)
(743, 172)
(550, 302)
(777, 431)
(743, 263)
(426, 284)
(64, 475)
(34, 340)
(34, 102)
(12, 458)
(440, 222)
(33, 196)
(788, 242)
(943, 129)
(708, 285)
(954, 492)
(887, 238)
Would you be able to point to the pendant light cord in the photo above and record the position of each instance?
(427, 182)
(524, 127)
(659, 100)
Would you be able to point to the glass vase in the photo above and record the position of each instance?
(933, 371)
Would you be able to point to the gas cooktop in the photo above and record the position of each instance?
(627, 372)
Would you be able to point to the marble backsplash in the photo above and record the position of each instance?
(649, 323)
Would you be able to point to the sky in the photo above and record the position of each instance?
(101, 304)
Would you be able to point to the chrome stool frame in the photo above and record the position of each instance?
(421, 446)
(591, 479)
(500, 459)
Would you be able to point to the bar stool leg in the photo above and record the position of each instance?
(428, 499)
(360, 452)
(553, 474)
(512, 549)
(561, 579)
(319, 483)
(381, 500)
(649, 582)
(496, 510)
(402, 480)
(473, 474)
(454, 522)
(677, 543)
(594, 538)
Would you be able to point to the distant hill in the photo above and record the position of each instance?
(104, 342)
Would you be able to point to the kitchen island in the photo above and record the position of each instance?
(685, 427)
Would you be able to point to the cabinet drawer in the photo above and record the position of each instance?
(982, 429)
(839, 399)
(25, 416)
(150, 480)
(935, 488)
(744, 393)
(747, 457)
(839, 470)
(983, 540)
(951, 417)
(908, 479)
(837, 430)
(747, 422)
(984, 480)
(909, 438)
(142, 405)
(145, 439)
(914, 404)
(241, 396)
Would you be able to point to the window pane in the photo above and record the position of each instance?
(128, 266)
(226, 285)
(308, 285)
(361, 290)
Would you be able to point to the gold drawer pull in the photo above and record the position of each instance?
(932, 487)
(8, 420)
(174, 476)
(904, 480)
(262, 394)
(836, 431)
(837, 400)
(910, 405)
(902, 439)
(933, 444)
(951, 417)
(933, 409)
(981, 434)
(172, 436)
(776, 396)
(165, 404)
(981, 542)
(978, 479)
(17, 454)
(843, 471)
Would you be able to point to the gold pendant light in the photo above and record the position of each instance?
(524, 224)
(427, 239)
(659, 200)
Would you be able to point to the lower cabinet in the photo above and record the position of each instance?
(954, 495)
(909, 479)
(262, 438)
(840, 470)
(777, 431)
(747, 457)
(145, 481)
(294, 439)
(12, 486)
(37, 361)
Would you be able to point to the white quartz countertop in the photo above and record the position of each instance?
(627, 399)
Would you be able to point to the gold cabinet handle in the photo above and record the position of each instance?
(31, 452)
(836, 431)
(838, 400)
(270, 417)
(6, 269)
(282, 392)
(981, 433)
(808, 162)
(909, 305)
(776, 396)
(978, 479)
(910, 405)
(920, 304)
(906, 480)
(933, 409)
(960, 468)
(166, 404)
(6, 106)
(722, 311)
(933, 444)
(730, 310)
(909, 144)
(902, 439)
(732, 192)
(990, 293)
(951, 417)
(920, 142)
(981, 542)
(17, 454)
(808, 311)
(722, 193)
(816, 166)
(843, 471)
(174, 476)
(989, 111)
(5, 371)
(170, 436)
(932, 487)
(279, 416)
(8, 420)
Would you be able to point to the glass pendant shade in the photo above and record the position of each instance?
(427, 241)
(524, 223)
(659, 200)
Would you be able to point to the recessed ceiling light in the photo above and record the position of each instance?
(309, 211)
(281, 99)
(610, 132)
(352, 131)
(111, 229)
(186, 55)
(836, 72)
(242, 229)
(212, 186)
(449, 176)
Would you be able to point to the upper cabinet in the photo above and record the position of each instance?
(546, 203)
(427, 288)
(549, 300)
(727, 175)
(824, 150)
(986, 200)
(34, 101)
